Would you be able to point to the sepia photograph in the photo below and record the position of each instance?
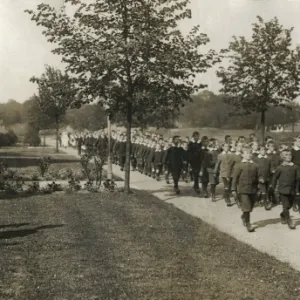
(149, 150)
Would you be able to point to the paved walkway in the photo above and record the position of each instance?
(270, 236)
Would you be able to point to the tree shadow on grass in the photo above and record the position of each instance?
(25, 232)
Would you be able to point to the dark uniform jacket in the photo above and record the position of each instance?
(245, 178)
(175, 158)
(296, 156)
(209, 161)
(122, 149)
(195, 154)
(287, 176)
(158, 157)
(275, 160)
(264, 167)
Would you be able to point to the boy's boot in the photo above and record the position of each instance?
(296, 204)
(267, 203)
(283, 217)
(167, 177)
(206, 195)
(237, 201)
(243, 217)
(153, 173)
(157, 175)
(290, 222)
(259, 201)
(248, 224)
(213, 192)
(176, 188)
(196, 188)
(227, 197)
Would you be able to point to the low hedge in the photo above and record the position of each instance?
(8, 138)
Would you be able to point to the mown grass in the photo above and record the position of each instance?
(117, 246)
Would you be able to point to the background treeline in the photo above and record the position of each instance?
(206, 110)
(210, 110)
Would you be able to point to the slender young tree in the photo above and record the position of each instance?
(56, 93)
(130, 54)
(263, 72)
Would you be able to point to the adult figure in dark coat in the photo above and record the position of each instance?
(174, 159)
(195, 158)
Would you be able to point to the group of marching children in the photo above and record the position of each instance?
(249, 171)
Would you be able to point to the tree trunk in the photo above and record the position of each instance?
(57, 138)
(263, 125)
(44, 141)
(128, 148)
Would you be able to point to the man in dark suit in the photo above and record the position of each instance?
(195, 158)
(174, 159)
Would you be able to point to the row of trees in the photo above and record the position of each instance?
(130, 56)
(210, 110)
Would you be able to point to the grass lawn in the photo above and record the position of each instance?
(115, 246)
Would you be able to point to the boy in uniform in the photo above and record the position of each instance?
(296, 161)
(244, 182)
(208, 166)
(185, 169)
(205, 160)
(274, 156)
(287, 175)
(264, 172)
(223, 168)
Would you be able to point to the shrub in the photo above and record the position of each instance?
(8, 138)
(44, 164)
(32, 137)
(34, 187)
(73, 185)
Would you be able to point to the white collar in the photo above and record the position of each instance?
(204, 148)
(256, 151)
(212, 149)
(225, 152)
(247, 161)
(287, 164)
(237, 153)
(260, 156)
(271, 152)
(173, 145)
(296, 148)
(193, 141)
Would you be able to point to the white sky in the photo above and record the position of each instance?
(24, 50)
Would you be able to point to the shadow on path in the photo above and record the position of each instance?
(267, 222)
(14, 225)
(25, 232)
